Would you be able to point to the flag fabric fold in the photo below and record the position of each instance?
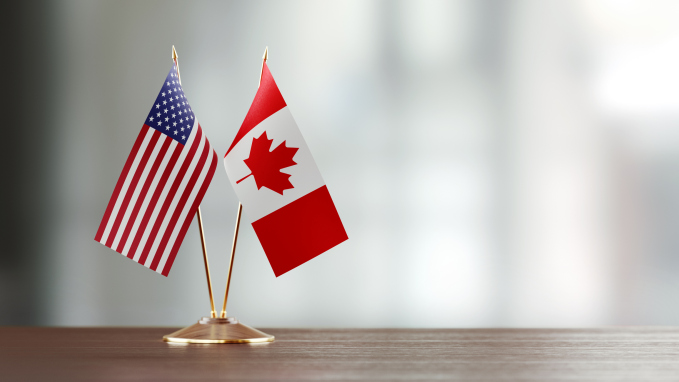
(162, 183)
(276, 179)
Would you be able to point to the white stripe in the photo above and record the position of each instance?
(175, 201)
(163, 195)
(126, 184)
(149, 194)
(136, 192)
(185, 211)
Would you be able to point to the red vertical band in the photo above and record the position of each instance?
(300, 231)
(267, 101)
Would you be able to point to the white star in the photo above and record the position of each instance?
(191, 117)
(174, 115)
(172, 83)
(180, 112)
(171, 99)
(182, 129)
(165, 103)
(168, 84)
(174, 124)
(184, 110)
(159, 123)
(165, 111)
(167, 119)
(151, 119)
(175, 132)
(172, 107)
(157, 106)
(184, 103)
(183, 137)
(181, 120)
(158, 115)
(169, 91)
(167, 127)
(178, 105)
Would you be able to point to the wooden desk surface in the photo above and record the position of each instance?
(121, 354)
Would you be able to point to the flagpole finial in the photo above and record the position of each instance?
(174, 58)
(264, 58)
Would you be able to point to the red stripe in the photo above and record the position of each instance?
(187, 222)
(168, 200)
(133, 185)
(180, 205)
(144, 190)
(152, 205)
(268, 100)
(300, 231)
(121, 181)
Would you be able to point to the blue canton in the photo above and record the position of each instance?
(171, 113)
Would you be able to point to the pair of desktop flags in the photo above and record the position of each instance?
(268, 164)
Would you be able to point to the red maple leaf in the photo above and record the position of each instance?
(266, 165)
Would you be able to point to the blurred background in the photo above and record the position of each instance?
(495, 163)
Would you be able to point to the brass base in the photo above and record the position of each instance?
(218, 331)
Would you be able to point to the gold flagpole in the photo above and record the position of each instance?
(264, 58)
(213, 313)
(240, 211)
(233, 252)
(219, 330)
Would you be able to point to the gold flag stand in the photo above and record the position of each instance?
(222, 329)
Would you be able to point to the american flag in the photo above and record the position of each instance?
(162, 184)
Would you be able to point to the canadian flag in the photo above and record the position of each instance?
(276, 179)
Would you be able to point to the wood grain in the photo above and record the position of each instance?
(121, 354)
